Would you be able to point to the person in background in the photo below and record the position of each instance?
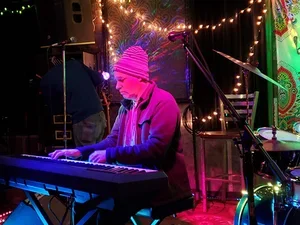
(145, 134)
(82, 100)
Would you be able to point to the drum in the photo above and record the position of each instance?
(265, 133)
(294, 175)
(264, 209)
(283, 159)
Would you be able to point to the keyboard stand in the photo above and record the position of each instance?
(93, 206)
(87, 216)
(38, 208)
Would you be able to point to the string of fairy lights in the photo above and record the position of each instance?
(239, 77)
(127, 9)
(255, 42)
(7, 11)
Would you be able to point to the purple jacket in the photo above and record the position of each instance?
(158, 141)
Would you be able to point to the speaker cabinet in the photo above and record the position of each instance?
(60, 20)
(24, 214)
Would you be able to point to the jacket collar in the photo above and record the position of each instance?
(144, 99)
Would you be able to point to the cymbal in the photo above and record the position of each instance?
(251, 68)
(280, 146)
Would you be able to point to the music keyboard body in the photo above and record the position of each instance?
(84, 180)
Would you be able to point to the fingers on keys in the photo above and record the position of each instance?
(91, 157)
(57, 154)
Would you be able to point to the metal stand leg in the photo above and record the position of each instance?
(38, 208)
(275, 205)
(203, 175)
(65, 94)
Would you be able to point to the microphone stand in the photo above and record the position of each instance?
(65, 94)
(247, 140)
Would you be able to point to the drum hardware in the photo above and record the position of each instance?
(248, 136)
(296, 127)
(280, 146)
(277, 196)
(293, 196)
(284, 152)
(282, 199)
(277, 202)
(283, 148)
(270, 210)
(274, 133)
(266, 133)
(270, 145)
(250, 68)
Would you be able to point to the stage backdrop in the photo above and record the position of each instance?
(287, 30)
(147, 23)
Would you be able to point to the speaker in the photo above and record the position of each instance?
(60, 20)
(25, 214)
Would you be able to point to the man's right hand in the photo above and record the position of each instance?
(69, 153)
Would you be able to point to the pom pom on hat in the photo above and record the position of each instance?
(134, 62)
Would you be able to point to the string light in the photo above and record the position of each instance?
(127, 10)
(253, 46)
(5, 10)
(211, 117)
(4, 216)
(110, 42)
(230, 19)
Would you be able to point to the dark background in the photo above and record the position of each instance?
(23, 59)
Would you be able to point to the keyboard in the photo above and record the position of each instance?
(83, 179)
(98, 166)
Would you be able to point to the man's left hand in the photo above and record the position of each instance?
(98, 156)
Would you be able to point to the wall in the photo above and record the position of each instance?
(145, 26)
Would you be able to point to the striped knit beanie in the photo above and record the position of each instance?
(134, 62)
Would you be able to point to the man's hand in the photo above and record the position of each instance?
(98, 156)
(70, 153)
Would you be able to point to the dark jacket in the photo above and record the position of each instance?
(81, 82)
(159, 141)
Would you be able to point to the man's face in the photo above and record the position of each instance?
(128, 86)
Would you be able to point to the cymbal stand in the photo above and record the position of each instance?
(247, 140)
(246, 77)
(275, 206)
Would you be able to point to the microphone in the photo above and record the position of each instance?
(70, 40)
(177, 35)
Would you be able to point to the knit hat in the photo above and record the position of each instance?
(134, 62)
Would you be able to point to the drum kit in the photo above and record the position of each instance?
(274, 203)
(278, 201)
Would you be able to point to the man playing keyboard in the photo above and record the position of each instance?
(146, 134)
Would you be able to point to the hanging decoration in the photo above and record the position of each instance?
(287, 30)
